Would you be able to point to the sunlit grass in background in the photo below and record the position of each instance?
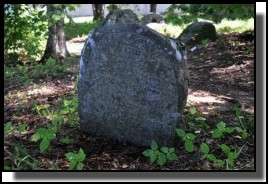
(83, 25)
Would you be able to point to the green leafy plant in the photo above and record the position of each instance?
(65, 140)
(45, 135)
(188, 139)
(31, 27)
(70, 110)
(195, 119)
(205, 41)
(205, 150)
(160, 156)
(231, 156)
(21, 160)
(76, 159)
(8, 128)
(22, 127)
(221, 129)
(246, 125)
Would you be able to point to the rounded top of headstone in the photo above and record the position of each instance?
(124, 16)
(149, 18)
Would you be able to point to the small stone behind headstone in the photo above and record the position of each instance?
(125, 16)
(150, 18)
(133, 85)
(196, 32)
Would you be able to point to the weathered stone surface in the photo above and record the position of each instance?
(125, 16)
(146, 19)
(196, 32)
(132, 85)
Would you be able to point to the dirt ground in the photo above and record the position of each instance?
(221, 77)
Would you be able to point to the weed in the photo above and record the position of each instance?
(23, 128)
(65, 140)
(76, 159)
(195, 119)
(205, 41)
(221, 128)
(21, 160)
(8, 128)
(45, 135)
(188, 139)
(160, 156)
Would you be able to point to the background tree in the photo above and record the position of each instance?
(153, 8)
(98, 11)
(56, 43)
(25, 29)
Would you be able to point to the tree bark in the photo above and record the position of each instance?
(56, 43)
(98, 11)
(153, 8)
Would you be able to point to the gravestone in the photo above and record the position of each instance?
(133, 85)
(149, 18)
(196, 32)
(125, 16)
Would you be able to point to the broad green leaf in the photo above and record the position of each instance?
(64, 111)
(225, 148)
(217, 133)
(229, 130)
(153, 158)
(244, 135)
(172, 157)
(81, 155)
(170, 150)
(238, 129)
(161, 159)
(79, 166)
(51, 135)
(156, 152)
(7, 128)
(221, 125)
(42, 131)
(232, 155)
(35, 137)
(67, 102)
(23, 128)
(211, 157)
(164, 149)
(190, 136)
(154, 145)
(200, 119)
(189, 146)
(192, 110)
(70, 156)
(180, 132)
(72, 164)
(237, 111)
(204, 148)
(147, 152)
(44, 144)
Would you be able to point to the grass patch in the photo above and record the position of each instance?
(176, 23)
(235, 25)
(79, 29)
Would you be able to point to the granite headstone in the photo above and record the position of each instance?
(133, 85)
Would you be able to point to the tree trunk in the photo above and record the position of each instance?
(56, 43)
(98, 11)
(153, 8)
